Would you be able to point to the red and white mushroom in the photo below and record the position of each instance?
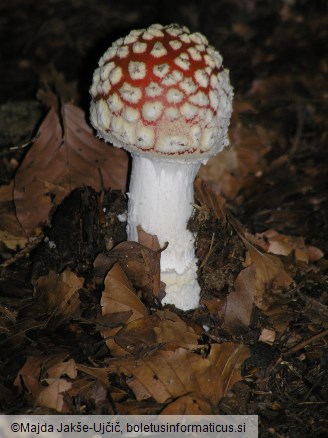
(162, 94)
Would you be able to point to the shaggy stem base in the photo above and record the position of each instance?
(161, 195)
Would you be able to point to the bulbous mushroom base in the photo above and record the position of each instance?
(182, 290)
(161, 197)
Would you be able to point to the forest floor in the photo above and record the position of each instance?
(82, 328)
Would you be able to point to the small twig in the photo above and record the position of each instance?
(298, 347)
(24, 145)
(22, 332)
(210, 251)
(299, 130)
(25, 252)
(313, 403)
(304, 343)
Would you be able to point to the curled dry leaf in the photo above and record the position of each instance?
(256, 284)
(119, 297)
(275, 85)
(261, 283)
(141, 265)
(148, 240)
(239, 303)
(59, 293)
(207, 198)
(137, 331)
(65, 155)
(314, 253)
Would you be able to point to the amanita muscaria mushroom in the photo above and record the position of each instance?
(162, 94)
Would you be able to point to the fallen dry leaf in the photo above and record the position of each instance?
(270, 280)
(239, 303)
(171, 329)
(261, 284)
(137, 337)
(42, 378)
(139, 332)
(267, 336)
(163, 376)
(52, 396)
(148, 240)
(11, 231)
(63, 369)
(132, 330)
(316, 311)
(163, 329)
(270, 277)
(256, 284)
(314, 253)
(141, 265)
(118, 297)
(188, 405)
(58, 293)
(31, 368)
(280, 244)
(32, 387)
(100, 374)
(280, 316)
(64, 156)
(87, 388)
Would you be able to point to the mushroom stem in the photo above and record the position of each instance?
(161, 195)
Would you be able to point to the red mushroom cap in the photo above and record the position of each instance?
(162, 91)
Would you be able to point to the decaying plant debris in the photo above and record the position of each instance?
(82, 329)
